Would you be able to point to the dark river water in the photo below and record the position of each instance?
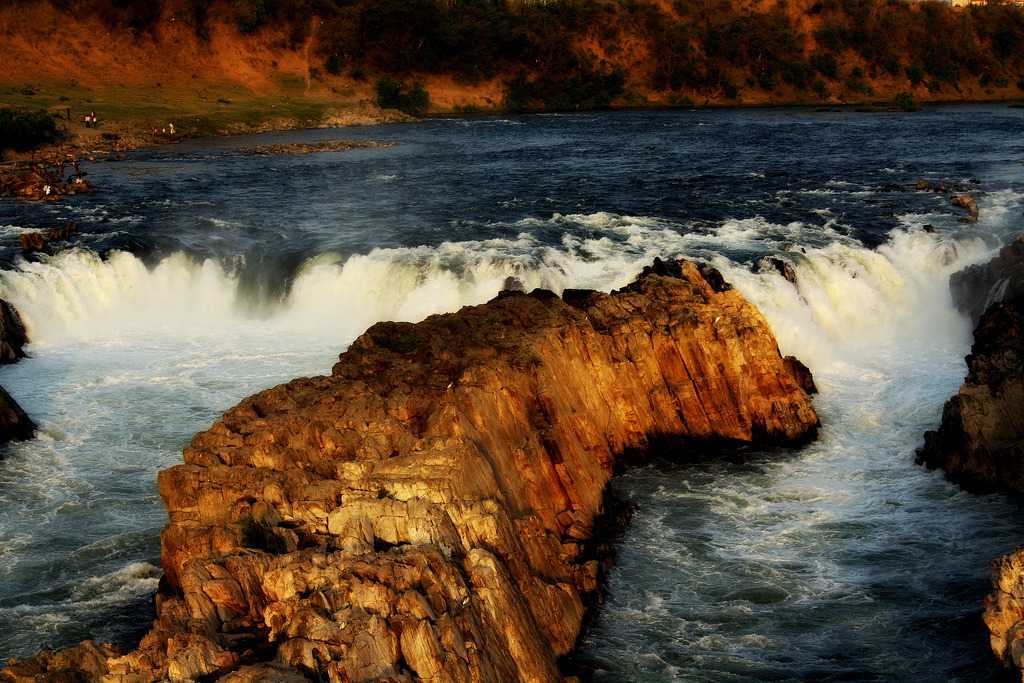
(200, 274)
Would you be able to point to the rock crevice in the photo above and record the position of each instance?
(428, 511)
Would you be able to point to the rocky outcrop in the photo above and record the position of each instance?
(1004, 610)
(426, 512)
(976, 288)
(15, 425)
(968, 203)
(13, 337)
(980, 442)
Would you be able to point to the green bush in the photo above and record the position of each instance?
(411, 99)
(22, 130)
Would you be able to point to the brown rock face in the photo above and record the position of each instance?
(426, 512)
(1004, 610)
(976, 288)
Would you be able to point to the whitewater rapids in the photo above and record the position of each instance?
(128, 361)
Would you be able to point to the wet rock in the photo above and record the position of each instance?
(43, 180)
(430, 510)
(41, 241)
(513, 284)
(969, 204)
(783, 268)
(931, 186)
(976, 288)
(980, 442)
(15, 425)
(13, 336)
(802, 374)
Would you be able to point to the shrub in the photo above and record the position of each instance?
(906, 102)
(583, 87)
(826, 64)
(915, 74)
(332, 65)
(22, 130)
(392, 94)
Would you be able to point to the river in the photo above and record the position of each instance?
(200, 274)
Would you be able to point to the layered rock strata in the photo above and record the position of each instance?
(426, 511)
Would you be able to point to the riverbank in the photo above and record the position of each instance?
(180, 73)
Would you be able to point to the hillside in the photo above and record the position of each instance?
(213, 66)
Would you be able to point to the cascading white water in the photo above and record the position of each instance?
(128, 362)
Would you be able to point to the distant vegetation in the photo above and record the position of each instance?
(25, 130)
(411, 99)
(587, 53)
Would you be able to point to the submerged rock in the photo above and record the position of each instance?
(976, 288)
(15, 425)
(428, 511)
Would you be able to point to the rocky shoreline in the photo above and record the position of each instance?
(980, 443)
(430, 510)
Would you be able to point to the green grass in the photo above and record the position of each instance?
(208, 109)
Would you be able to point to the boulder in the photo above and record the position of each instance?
(976, 288)
(783, 268)
(969, 204)
(430, 510)
(13, 337)
(15, 425)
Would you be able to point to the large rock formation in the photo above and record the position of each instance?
(980, 442)
(976, 288)
(427, 511)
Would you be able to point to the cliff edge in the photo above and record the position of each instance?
(980, 442)
(426, 512)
